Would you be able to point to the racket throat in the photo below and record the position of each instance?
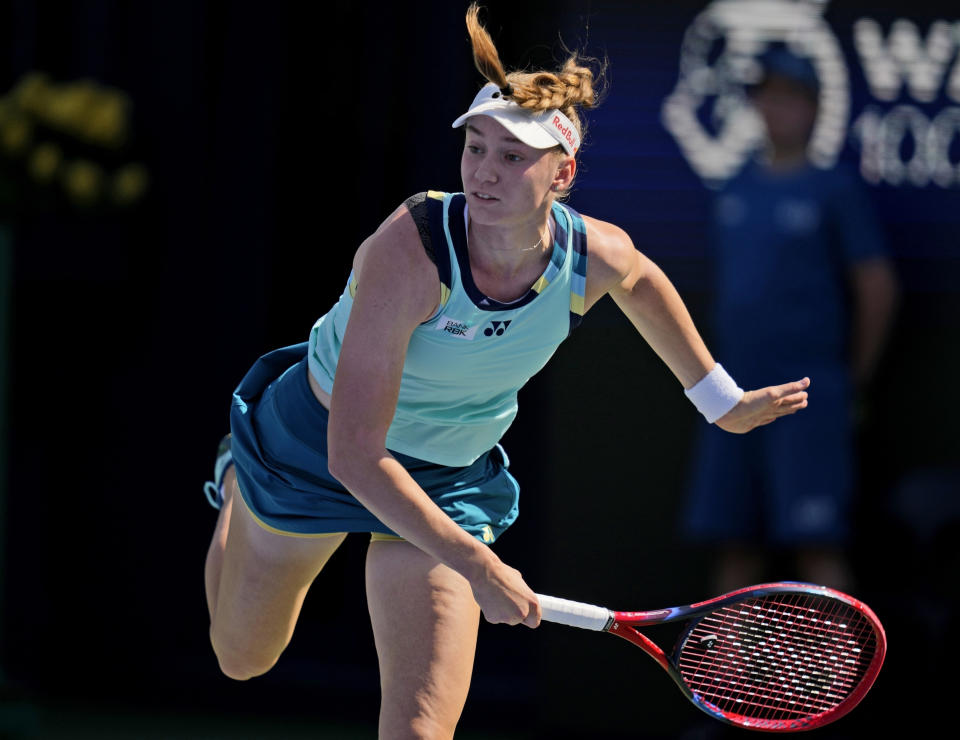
(631, 634)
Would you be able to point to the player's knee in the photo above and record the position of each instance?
(242, 667)
(422, 727)
(239, 662)
(419, 719)
(430, 728)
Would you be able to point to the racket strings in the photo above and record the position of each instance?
(779, 657)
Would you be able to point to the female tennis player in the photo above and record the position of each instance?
(390, 423)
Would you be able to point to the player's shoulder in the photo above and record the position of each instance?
(403, 228)
(606, 239)
(397, 243)
(604, 235)
(609, 248)
(421, 202)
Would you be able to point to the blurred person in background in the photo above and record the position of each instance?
(803, 286)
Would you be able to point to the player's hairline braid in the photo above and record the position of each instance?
(567, 90)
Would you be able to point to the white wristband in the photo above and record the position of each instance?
(715, 394)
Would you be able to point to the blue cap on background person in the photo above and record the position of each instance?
(779, 61)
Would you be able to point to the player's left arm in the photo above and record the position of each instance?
(650, 301)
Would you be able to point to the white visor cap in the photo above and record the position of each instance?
(540, 130)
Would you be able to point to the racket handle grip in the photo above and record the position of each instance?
(575, 613)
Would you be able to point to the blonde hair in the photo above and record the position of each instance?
(573, 87)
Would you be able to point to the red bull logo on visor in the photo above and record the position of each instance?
(565, 128)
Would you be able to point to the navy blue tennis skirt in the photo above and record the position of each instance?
(280, 450)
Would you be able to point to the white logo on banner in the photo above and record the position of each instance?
(898, 144)
(909, 143)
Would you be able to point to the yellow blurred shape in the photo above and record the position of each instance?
(31, 92)
(15, 134)
(83, 181)
(105, 122)
(129, 184)
(67, 106)
(44, 162)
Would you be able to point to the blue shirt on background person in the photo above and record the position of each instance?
(803, 286)
(783, 244)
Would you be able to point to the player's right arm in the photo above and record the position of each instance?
(397, 289)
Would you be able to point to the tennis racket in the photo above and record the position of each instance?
(780, 657)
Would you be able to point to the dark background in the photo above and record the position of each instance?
(277, 136)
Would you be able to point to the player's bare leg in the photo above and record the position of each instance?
(256, 582)
(214, 563)
(425, 623)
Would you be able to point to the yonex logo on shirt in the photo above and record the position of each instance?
(498, 328)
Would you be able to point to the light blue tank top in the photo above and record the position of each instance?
(464, 365)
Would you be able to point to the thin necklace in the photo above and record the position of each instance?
(539, 241)
(525, 249)
(535, 246)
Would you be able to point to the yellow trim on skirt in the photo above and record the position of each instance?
(374, 536)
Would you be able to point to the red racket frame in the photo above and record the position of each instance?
(624, 624)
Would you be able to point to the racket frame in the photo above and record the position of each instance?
(626, 624)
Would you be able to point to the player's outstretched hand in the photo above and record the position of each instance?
(762, 406)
